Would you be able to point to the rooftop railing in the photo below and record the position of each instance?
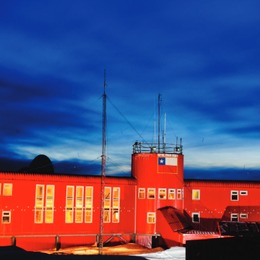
(140, 147)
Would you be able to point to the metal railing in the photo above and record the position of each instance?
(139, 147)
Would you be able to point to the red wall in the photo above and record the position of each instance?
(215, 200)
(149, 174)
(21, 204)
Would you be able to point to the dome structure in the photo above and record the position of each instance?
(41, 164)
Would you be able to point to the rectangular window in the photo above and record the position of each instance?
(151, 193)
(6, 217)
(151, 217)
(141, 193)
(196, 194)
(79, 204)
(49, 204)
(196, 217)
(107, 204)
(243, 192)
(8, 189)
(69, 204)
(234, 217)
(162, 194)
(171, 194)
(179, 194)
(116, 205)
(88, 204)
(39, 203)
(243, 215)
(234, 195)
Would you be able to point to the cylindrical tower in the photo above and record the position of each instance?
(160, 182)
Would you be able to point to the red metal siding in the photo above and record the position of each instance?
(22, 202)
(215, 198)
(151, 175)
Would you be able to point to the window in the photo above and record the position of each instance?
(69, 204)
(196, 194)
(79, 204)
(107, 204)
(88, 204)
(151, 217)
(111, 205)
(196, 217)
(234, 195)
(8, 189)
(243, 215)
(179, 194)
(6, 217)
(39, 197)
(243, 192)
(49, 204)
(162, 194)
(44, 204)
(171, 194)
(151, 193)
(141, 193)
(234, 217)
(116, 205)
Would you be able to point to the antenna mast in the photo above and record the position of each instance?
(164, 133)
(159, 121)
(103, 166)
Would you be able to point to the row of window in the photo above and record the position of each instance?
(163, 193)
(233, 217)
(6, 189)
(79, 204)
(151, 217)
(234, 194)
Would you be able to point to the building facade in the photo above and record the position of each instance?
(155, 205)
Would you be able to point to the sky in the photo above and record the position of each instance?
(202, 57)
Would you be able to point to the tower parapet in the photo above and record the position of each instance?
(140, 147)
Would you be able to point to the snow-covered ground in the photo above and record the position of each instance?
(174, 253)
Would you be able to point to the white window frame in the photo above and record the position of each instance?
(116, 205)
(149, 216)
(179, 194)
(197, 214)
(234, 216)
(70, 208)
(48, 199)
(243, 215)
(234, 193)
(196, 191)
(8, 189)
(164, 191)
(141, 191)
(148, 193)
(173, 193)
(243, 193)
(88, 198)
(6, 214)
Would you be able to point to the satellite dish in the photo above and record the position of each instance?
(41, 164)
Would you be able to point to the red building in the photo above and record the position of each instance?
(154, 205)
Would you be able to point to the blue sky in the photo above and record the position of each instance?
(201, 56)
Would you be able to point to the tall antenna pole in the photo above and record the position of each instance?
(104, 128)
(103, 166)
(159, 121)
(164, 133)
